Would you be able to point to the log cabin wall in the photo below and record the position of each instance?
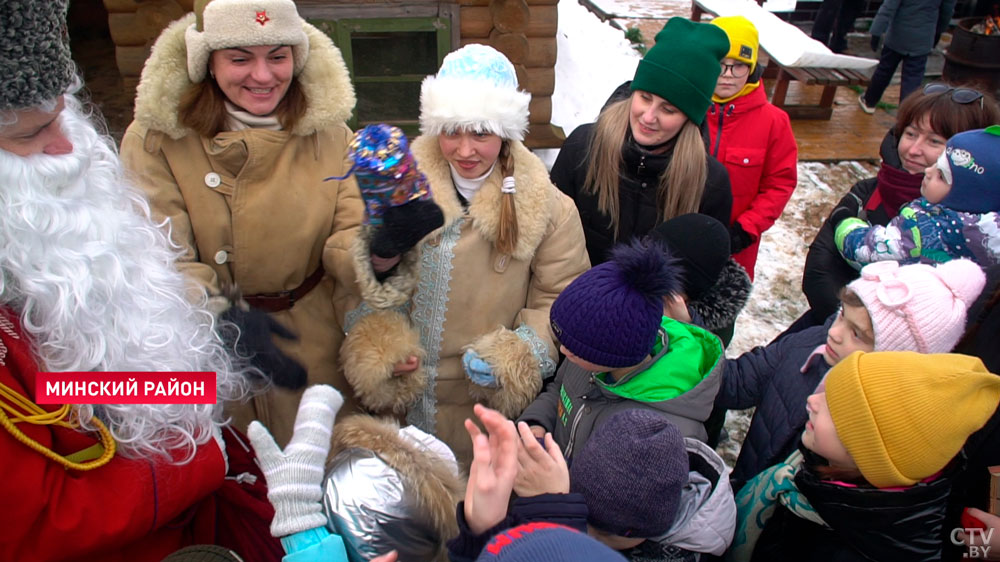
(524, 30)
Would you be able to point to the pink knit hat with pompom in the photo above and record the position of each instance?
(918, 307)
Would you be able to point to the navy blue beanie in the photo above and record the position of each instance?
(548, 542)
(611, 314)
(631, 472)
(974, 159)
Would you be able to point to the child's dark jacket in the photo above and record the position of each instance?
(865, 524)
(772, 380)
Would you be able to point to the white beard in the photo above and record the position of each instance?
(94, 282)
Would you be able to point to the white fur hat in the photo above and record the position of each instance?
(475, 89)
(222, 24)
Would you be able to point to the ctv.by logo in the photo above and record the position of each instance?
(985, 535)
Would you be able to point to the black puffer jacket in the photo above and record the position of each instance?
(771, 379)
(637, 206)
(866, 524)
(826, 271)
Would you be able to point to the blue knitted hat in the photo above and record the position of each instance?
(974, 161)
(631, 472)
(548, 542)
(611, 314)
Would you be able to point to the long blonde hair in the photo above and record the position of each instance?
(686, 170)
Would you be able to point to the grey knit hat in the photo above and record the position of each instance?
(631, 472)
(35, 62)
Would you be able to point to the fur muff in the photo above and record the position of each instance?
(394, 291)
(516, 369)
(376, 343)
(434, 488)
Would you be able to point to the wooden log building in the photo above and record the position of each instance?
(389, 46)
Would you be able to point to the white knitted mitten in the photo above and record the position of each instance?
(295, 475)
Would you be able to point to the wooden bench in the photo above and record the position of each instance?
(829, 78)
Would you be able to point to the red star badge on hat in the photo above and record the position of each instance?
(262, 17)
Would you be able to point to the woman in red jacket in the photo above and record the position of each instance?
(753, 140)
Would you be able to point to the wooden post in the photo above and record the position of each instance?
(513, 45)
(509, 15)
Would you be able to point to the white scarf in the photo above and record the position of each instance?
(238, 119)
(469, 187)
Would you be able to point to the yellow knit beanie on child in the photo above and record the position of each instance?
(903, 416)
(743, 45)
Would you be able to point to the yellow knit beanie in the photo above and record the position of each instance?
(743, 44)
(903, 416)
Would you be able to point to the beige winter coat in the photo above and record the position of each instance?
(456, 291)
(251, 208)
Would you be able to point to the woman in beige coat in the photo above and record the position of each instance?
(239, 117)
(464, 316)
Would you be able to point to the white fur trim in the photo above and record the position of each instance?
(448, 104)
(234, 23)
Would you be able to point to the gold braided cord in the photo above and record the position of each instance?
(33, 414)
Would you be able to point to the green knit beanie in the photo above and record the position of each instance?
(683, 66)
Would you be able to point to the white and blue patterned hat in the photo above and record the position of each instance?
(475, 89)
(973, 162)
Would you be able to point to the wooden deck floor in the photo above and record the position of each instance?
(851, 134)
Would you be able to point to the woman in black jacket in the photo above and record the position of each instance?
(644, 160)
(926, 120)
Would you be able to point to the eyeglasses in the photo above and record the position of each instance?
(958, 95)
(737, 69)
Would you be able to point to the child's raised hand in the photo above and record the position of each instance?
(493, 469)
(541, 471)
(675, 306)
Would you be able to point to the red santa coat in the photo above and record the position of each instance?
(128, 509)
(754, 141)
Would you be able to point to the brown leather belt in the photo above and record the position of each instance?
(276, 302)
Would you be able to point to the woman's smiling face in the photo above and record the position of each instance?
(253, 78)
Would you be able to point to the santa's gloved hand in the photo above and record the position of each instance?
(403, 226)
(295, 475)
(479, 371)
(254, 340)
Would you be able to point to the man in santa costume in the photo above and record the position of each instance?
(88, 283)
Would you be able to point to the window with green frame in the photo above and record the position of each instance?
(388, 58)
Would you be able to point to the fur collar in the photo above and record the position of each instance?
(434, 489)
(533, 200)
(325, 82)
(720, 305)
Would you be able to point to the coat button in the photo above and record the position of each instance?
(221, 257)
(746, 160)
(213, 180)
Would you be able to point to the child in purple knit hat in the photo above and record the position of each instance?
(622, 352)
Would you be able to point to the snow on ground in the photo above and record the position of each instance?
(593, 59)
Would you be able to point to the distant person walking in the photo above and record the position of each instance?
(911, 29)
